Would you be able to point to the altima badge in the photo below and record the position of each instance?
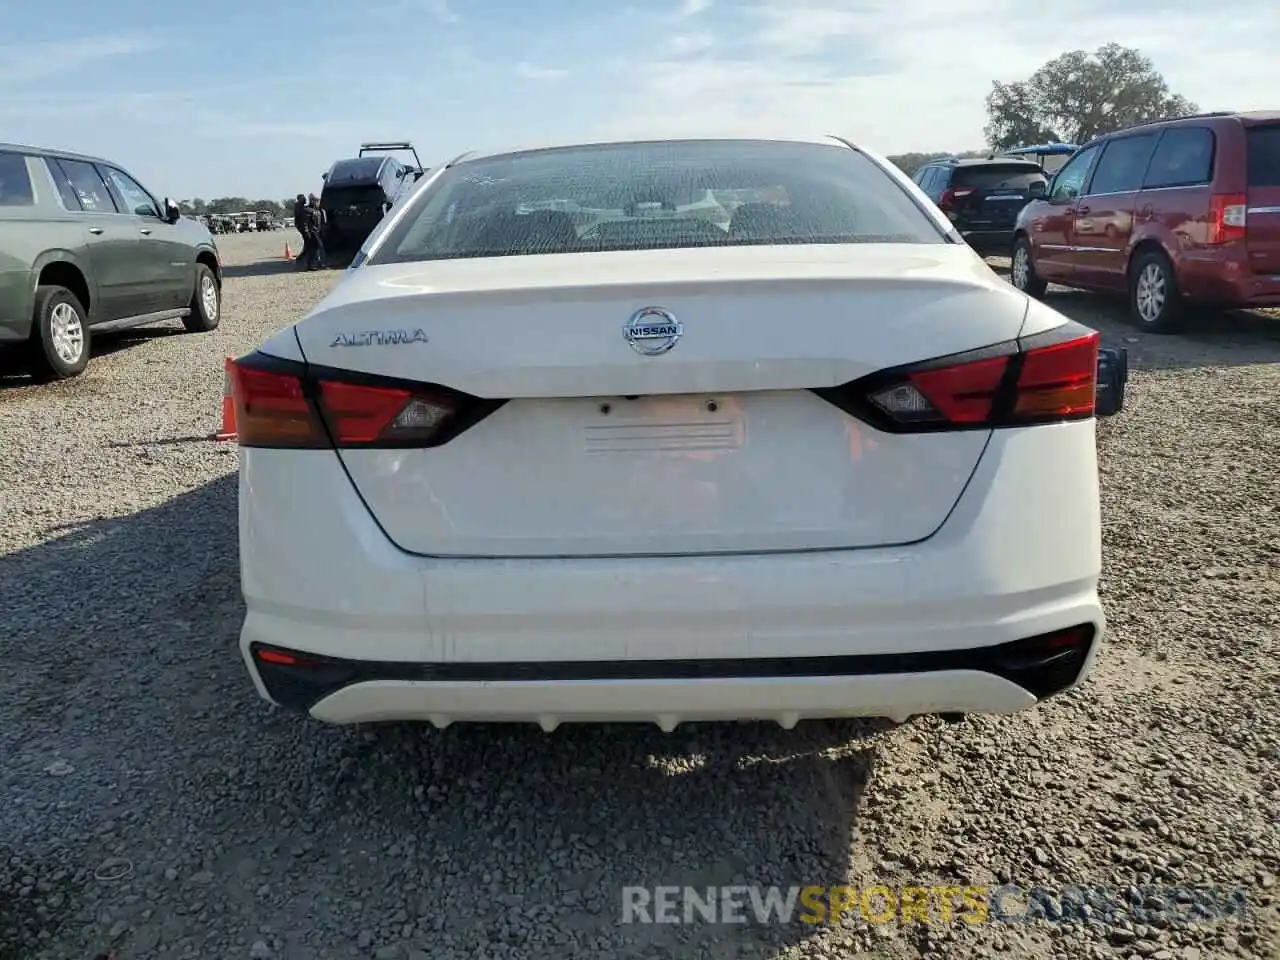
(652, 330)
(379, 338)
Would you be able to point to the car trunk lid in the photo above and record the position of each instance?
(716, 446)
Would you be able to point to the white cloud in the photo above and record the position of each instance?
(531, 71)
(441, 10)
(28, 62)
(687, 44)
(896, 76)
(691, 8)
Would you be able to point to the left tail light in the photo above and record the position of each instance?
(286, 404)
(1047, 378)
(949, 197)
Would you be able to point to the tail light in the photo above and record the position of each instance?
(1227, 217)
(1046, 378)
(949, 197)
(285, 404)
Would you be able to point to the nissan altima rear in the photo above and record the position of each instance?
(664, 432)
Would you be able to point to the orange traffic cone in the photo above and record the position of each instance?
(288, 254)
(228, 431)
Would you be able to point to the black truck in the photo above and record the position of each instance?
(360, 190)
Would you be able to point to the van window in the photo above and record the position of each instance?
(1123, 163)
(1264, 155)
(1069, 182)
(15, 182)
(1183, 158)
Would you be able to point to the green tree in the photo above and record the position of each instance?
(1078, 96)
(229, 205)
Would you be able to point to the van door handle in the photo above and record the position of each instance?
(1082, 210)
(96, 231)
(145, 231)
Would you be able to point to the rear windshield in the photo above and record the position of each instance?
(994, 177)
(335, 198)
(1264, 155)
(649, 196)
(353, 171)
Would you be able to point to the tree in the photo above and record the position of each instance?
(1079, 96)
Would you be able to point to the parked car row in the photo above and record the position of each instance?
(85, 248)
(1181, 215)
(259, 221)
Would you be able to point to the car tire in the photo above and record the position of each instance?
(1022, 270)
(206, 302)
(1155, 302)
(59, 345)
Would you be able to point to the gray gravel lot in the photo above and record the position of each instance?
(152, 807)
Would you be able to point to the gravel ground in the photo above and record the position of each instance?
(151, 806)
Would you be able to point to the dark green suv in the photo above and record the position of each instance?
(85, 248)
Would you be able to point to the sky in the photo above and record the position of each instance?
(257, 99)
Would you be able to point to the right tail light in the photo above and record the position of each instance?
(1047, 378)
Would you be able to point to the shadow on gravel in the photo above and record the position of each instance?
(154, 805)
(13, 372)
(1231, 339)
(261, 268)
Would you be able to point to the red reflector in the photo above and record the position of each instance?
(284, 659)
(1072, 638)
(963, 393)
(272, 410)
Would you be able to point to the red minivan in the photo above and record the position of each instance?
(1179, 214)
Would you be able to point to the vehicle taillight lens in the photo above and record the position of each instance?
(1227, 217)
(1047, 378)
(272, 408)
(281, 403)
(951, 195)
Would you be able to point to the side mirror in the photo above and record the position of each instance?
(1113, 376)
(171, 212)
(1038, 190)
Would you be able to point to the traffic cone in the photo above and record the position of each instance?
(228, 431)
(288, 254)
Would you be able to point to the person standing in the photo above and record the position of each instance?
(300, 224)
(315, 221)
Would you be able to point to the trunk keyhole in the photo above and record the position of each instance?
(712, 406)
(605, 408)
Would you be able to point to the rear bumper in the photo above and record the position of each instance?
(1226, 281)
(1002, 679)
(881, 632)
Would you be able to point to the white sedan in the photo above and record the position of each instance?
(604, 461)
